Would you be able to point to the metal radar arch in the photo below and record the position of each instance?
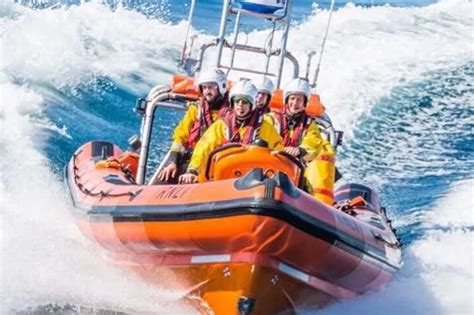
(278, 14)
(273, 11)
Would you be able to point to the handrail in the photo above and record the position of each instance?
(223, 25)
(311, 54)
(248, 70)
(284, 39)
(160, 96)
(258, 50)
(153, 102)
(234, 42)
(329, 129)
(230, 7)
(160, 167)
(268, 47)
(158, 89)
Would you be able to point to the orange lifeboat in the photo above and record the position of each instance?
(250, 237)
(248, 240)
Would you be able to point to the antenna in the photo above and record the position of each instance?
(316, 74)
(185, 46)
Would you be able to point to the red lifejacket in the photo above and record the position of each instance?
(233, 136)
(301, 126)
(200, 125)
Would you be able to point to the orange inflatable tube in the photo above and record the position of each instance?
(255, 243)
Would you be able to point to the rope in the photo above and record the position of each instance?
(101, 192)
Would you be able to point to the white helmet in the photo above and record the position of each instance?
(244, 89)
(298, 86)
(216, 76)
(265, 86)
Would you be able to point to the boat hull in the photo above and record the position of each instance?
(220, 287)
(256, 241)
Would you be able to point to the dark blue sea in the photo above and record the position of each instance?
(397, 77)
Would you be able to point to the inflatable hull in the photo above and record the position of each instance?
(252, 245)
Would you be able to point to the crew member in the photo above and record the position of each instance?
(265, 90)
(211, 105)
(300, 134)
(243, 125)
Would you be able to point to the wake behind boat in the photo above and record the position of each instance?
(250, 237)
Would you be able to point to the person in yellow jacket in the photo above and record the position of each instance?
(302, 138)
(243, 125)
(300, 134)
(265, 89)
(211, 105)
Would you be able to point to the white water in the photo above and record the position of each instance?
(44, 257)
(438, 274)
(372, 50)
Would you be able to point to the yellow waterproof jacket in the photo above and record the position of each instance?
(182, 131)
(216, 135)
(311, 141)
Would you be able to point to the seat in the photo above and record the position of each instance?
(235, 160)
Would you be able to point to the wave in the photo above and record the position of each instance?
(45, 259)
(437, 273)
(421, 129)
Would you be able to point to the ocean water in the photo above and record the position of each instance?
(396, 77)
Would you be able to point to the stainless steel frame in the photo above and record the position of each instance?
(275, 52)
(161, 96)
(282, 16)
